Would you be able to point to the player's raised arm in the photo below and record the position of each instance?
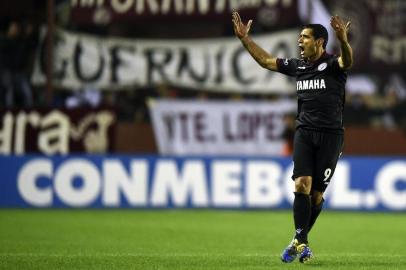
(345, 60)
(260, 55)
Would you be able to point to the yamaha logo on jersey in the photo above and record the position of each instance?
(322, 67)
(310, 84)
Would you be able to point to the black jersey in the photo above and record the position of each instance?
(320, 87)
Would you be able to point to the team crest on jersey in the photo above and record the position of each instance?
(322, 67)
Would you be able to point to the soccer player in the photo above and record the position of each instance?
(318, 141)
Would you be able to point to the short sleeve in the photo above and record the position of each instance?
(287, 66)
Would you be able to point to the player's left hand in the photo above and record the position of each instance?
(340, 28)
(241, 30)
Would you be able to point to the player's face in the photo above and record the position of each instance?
(307, 44)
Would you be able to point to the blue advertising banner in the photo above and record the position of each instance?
(86, 181)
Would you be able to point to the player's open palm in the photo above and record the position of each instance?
(240, 29)
(340, 27)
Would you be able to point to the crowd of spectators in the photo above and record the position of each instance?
(384, 108)
(374, 101)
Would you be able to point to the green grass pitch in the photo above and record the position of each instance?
(195, 239)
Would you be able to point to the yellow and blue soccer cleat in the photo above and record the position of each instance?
(294, 249)
(290, 252)
(305, 253)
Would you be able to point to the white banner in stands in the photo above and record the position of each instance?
(216, 64)
(221, 128)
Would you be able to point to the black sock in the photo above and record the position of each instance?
(301, 215)
(315, 212)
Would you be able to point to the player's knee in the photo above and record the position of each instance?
(303, 184)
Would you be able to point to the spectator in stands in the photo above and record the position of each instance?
(16, 48)
(395, 97)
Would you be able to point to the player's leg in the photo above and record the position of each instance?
(302, 214)
(317, 205)
(303, 168)
(326, 160)
(302, 207)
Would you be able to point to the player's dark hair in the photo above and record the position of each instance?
(319, 31)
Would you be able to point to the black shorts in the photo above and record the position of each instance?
(315, 153)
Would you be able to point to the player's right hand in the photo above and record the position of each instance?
(240, 29)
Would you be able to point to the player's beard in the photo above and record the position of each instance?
(308, 52)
